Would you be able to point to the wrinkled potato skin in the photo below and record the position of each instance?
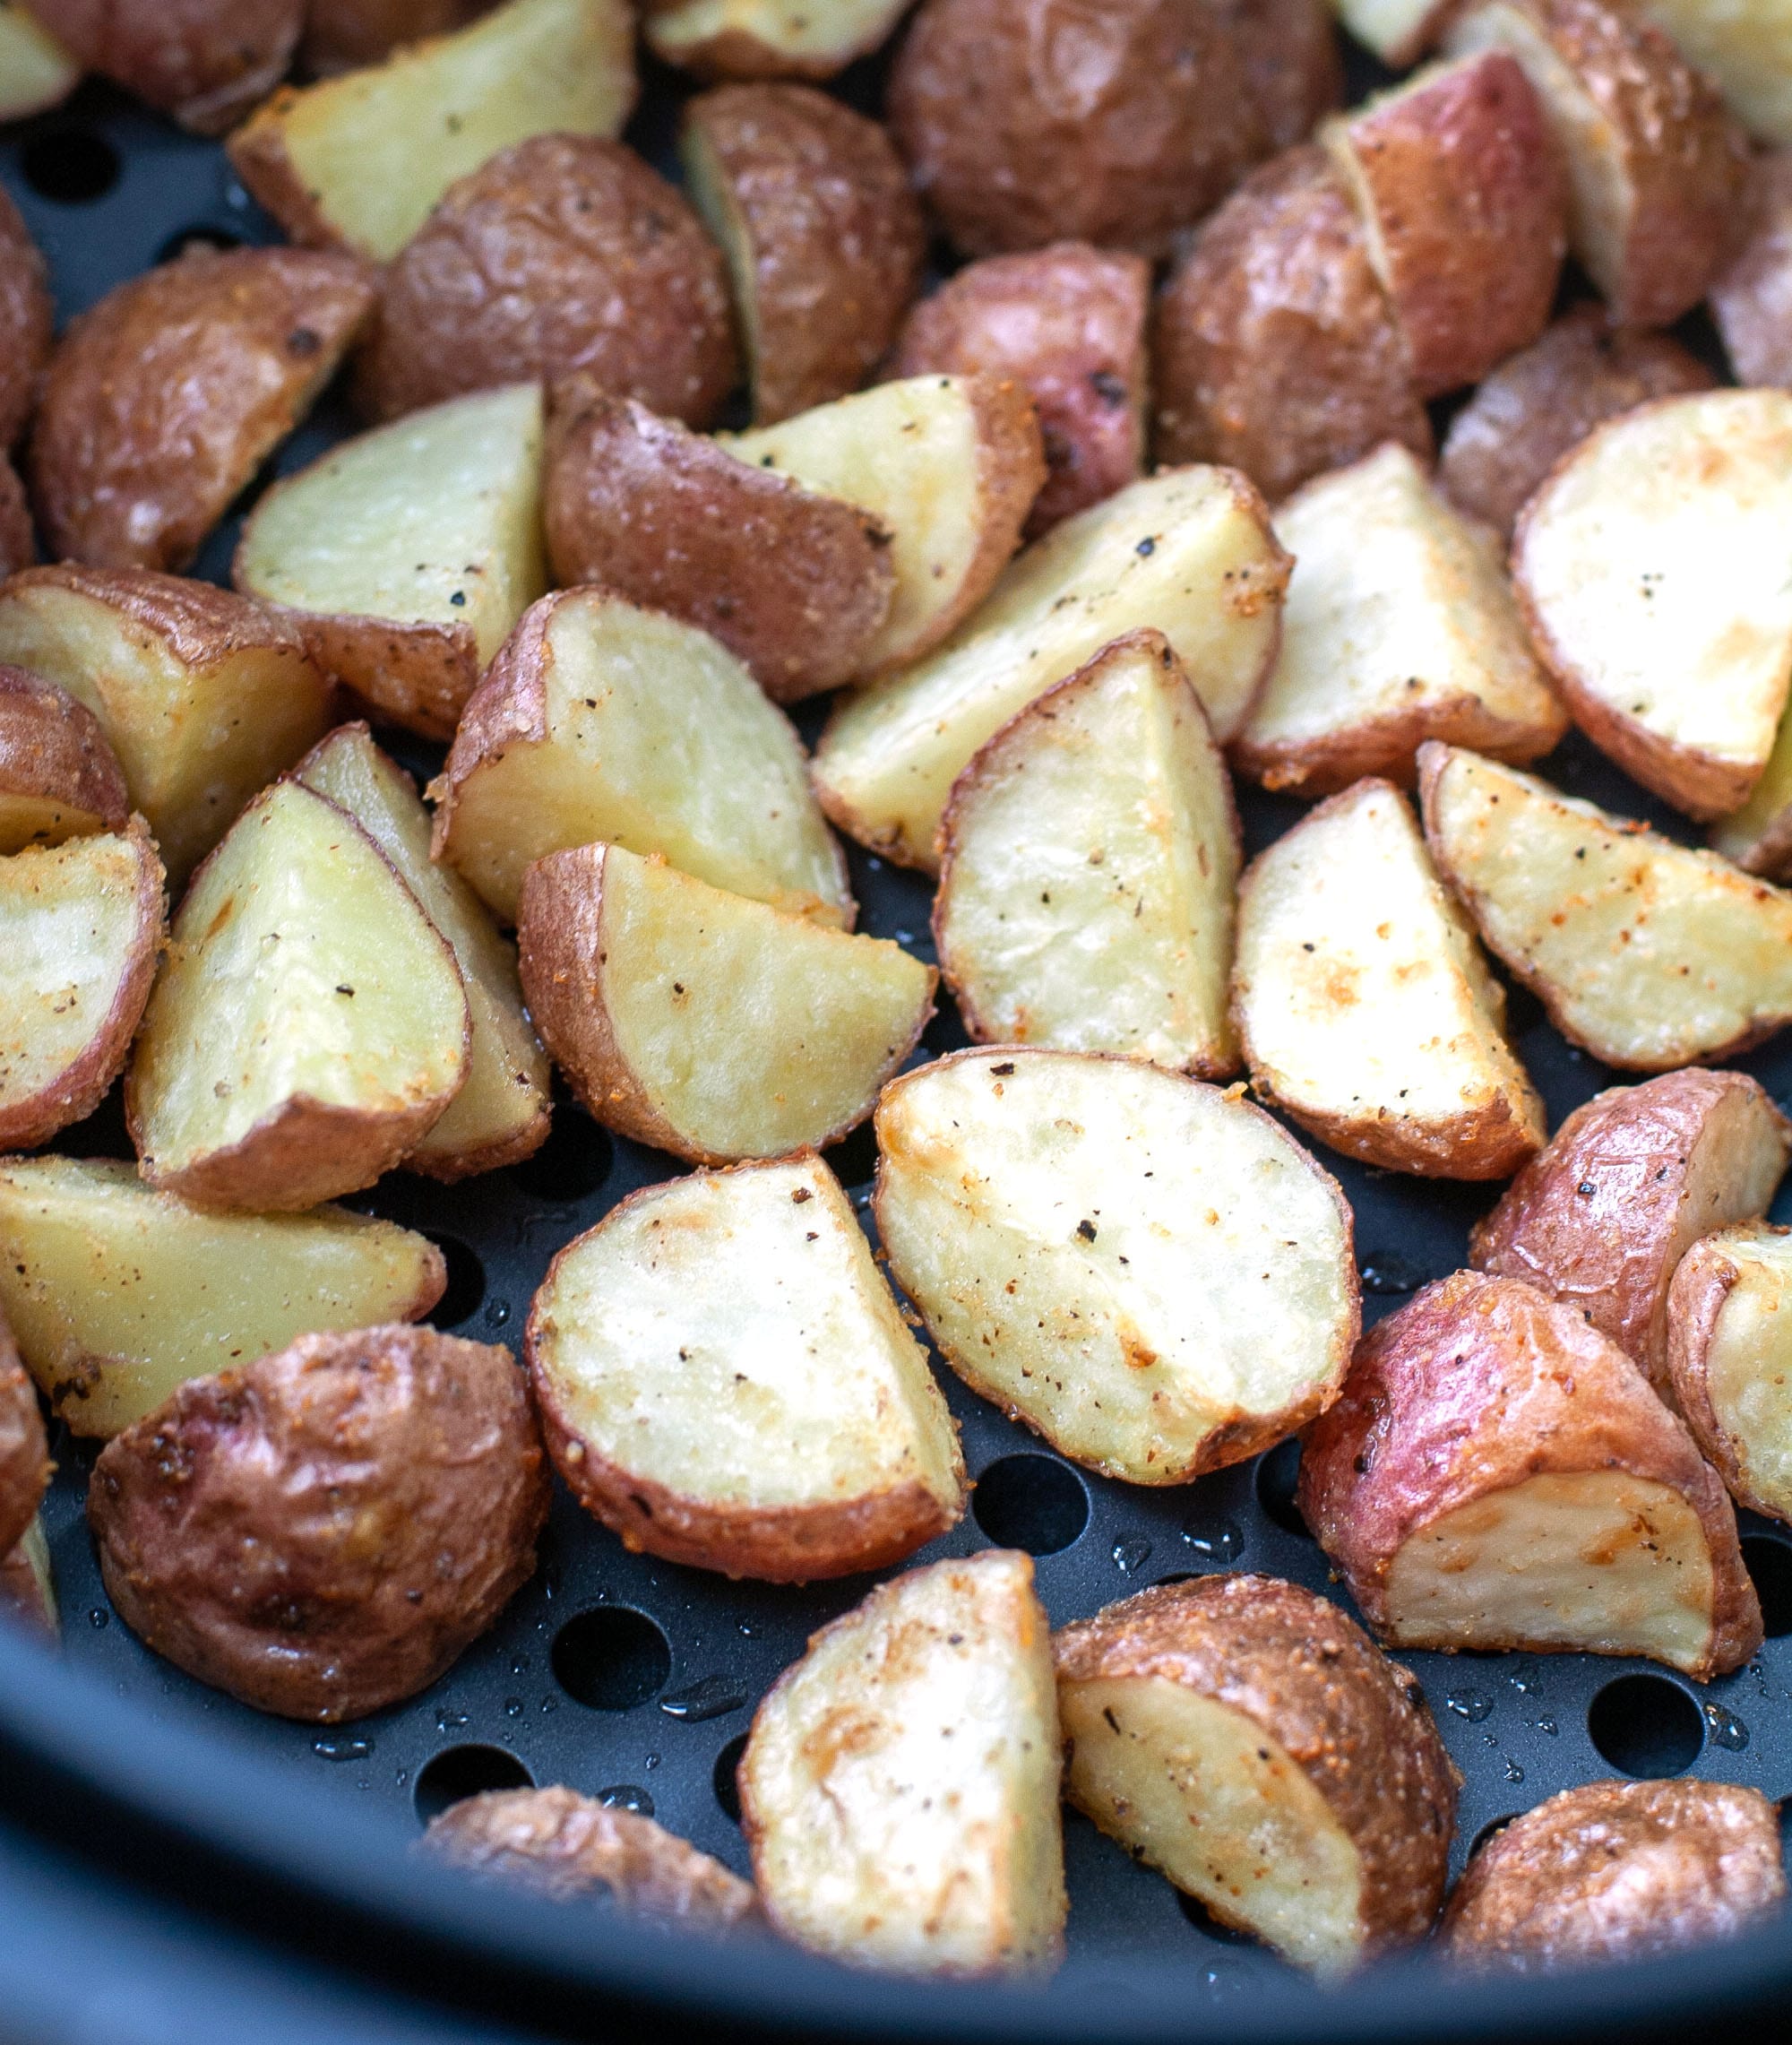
(18, 541)
(165, 398)
(1752, 300)
(206, 61)
(793, 584)
(1292, 62)
(1273, 347)
(24, 1453)
(1546, 399)
(342, 35)
(1612, 1871)
(321, 1533)
(25, 322)
(564, 253)
(53, 747)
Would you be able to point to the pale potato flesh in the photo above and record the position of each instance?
(35, 70)
(1087, 901)
(1147, 1270)
(26, 820)
(1748, 1363)
(808, 39)
(1397, 30)
(1187, 551)
(118, 1293)
(1759, 835)
(1212, 1798)
(1746, 46)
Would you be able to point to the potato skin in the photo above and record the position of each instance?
(342, 35)
(24, 1452)
(25, 321)
(1703, 1283)
(1355, 1722)
(206, 61)
(564, 253)
(165, 398)
(1752, 300)
(18, 540)
(1609, 1871)
(793, 584)
(323, 1532)
(53, 747)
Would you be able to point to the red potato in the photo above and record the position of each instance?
(1752, 298)
(342, 35)
(24, 1455)
(60, 776)
(1728, 1331)
(25, 320)
(206, 61)
(18, 541)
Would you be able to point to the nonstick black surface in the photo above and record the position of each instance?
(634, 1680)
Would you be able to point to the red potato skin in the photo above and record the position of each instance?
(1752, 298)
(24, 1452)
(25, 323)
(206, 61)
(342, 35)
(54, 747)
(18, 540)
(1292, 61)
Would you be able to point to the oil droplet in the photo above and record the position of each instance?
(497, 1313)
(1548, 1726)
(520, 1666)
(550, 1704)
(447, 1720)
(625, 1796)
(652, 1761)
(99, 1619)
(744, 1627)
(342, 1749)
(1725, 1729)
(1131, 1553)
(1218, 1541)
(1388, 1273)
(403, 1777)
(1527, 1679)
(512, 1707)
(710, 1697)
(1514, 1773)
(861, 1198)
(1471, 1705)
(904, 938)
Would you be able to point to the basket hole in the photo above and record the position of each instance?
(611, 1658)
(1490, 1831)
(1278, 1475)
(726, 1780)
(200, 237)
(458, 1773)
(1769, 1564)
(1645, 1725)
(465, 1283)
(1208, 1925)
(573, 1163)
(73, 166)
(1030, 1501)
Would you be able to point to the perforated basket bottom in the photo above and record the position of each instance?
(634, 1680)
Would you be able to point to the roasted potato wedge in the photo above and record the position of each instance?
(1746, 50)
(599, 721)
(499, 1115)
(1751, 299)
(724, 1380)
(203, 696)
(564, 254)
(948, 465)
(1497, 1474)
(36, 72)
(1089, 868)
(1364, 1006)
(81, 930)
(118, 1293)
(1645, 953)
(404, 558)
(1649, 574)
(1066, 323)
(359, 161)
(59, 777)
(1146, 1270)
(340, 35)
(321, 1532)
(165, 399)
(1631, 1179)
(1611, 1871)
(760, 39)
(1247, 1740)
(24, 1453)
(25, 319)
(27, 1584)
(1729, 1325)
(206, 61)
(900, 1787)
(1397, 628)
(795, 586)
(703, 1023)
(310, 1024)
(825, 244)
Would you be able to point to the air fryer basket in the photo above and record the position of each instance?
(635, 1681)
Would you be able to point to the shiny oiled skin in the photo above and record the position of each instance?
(25, 319)
(54, 747)
(206, 61)
(24, 1455)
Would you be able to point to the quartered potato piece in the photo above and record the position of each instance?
(1243, 1736)
(1189, 551)
(500, 1114)
(405, 557)
(1089, 867)
(1646, 954)
(1366, 1011)
(768, 38)
(703, 1023)
(1397, 626)
(1650, 572)
(28, 1593)
(118, 1293)
(1146, 1270)
(1497, 1474)
(36, 72)
(310, 1024)
(59, 777)
(1746, 48)
(1751, 300)
(358, 161)
(600, 720)
(206, 61)
(900, 1787)
(1729, 1359)
(24, 1453)
(724, 1379)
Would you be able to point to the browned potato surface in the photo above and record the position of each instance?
(18, 541)
(24, 1453)
(1497, 1474)
(1752, 300)
(1729, 1359)
(1066, 323)
(321, 1532)
(60, 776)
(795, 584)
(823, 238)
(206, 61)
(25, 317)
(165, 398)
(564, 253)
(1615, 1871)
(342, 34)
(1244, 1737)
(768, 38)
(1631, 1180)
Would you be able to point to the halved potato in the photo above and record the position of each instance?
(1090, 861)
(59, 777)
(206, 61)
(1398, 628)
(1242, 1735)
(358, 161)
(1729, 1359)
(900, 1787)
(1645, 953)
(1497, 1474)
(36, 72)
(500, 1114)
(1366, 1010)
(1651, 577)
(404, 558)
(1746, 48)
(948, 465)
(25, 1464)
(203, 695)
(601, 720)
(703, 1023)
(309, 1026)
(1188, 551)
(1147, 1271)
(118, 1293)
(768, 38)
(1751, 300)
(724, 1380)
